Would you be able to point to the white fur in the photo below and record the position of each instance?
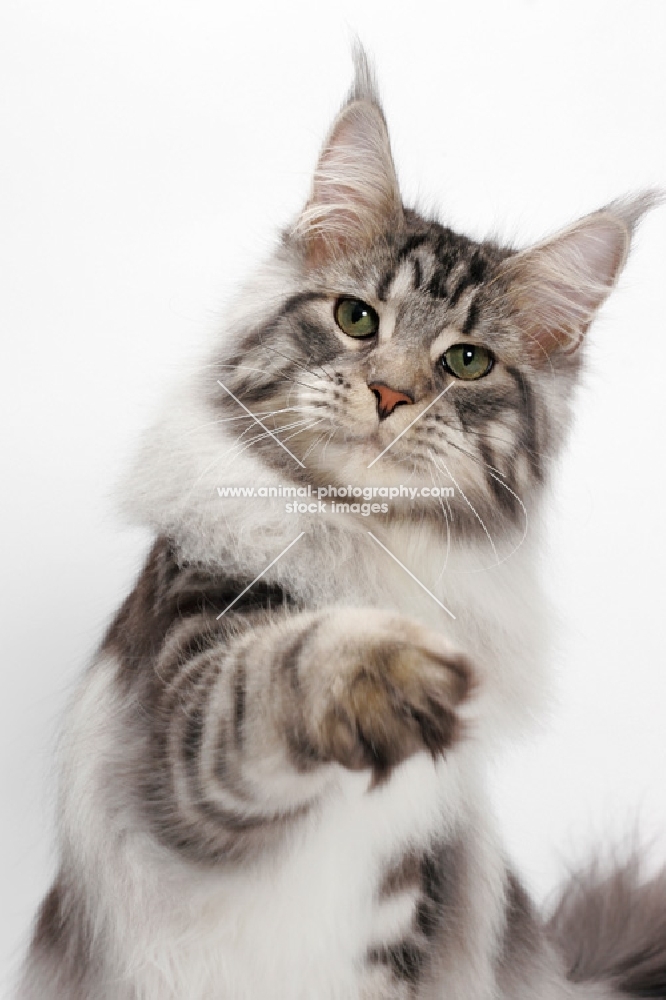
(296, 924)
(501, 620)
(300, 921)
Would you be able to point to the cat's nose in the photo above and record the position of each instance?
(388, 398)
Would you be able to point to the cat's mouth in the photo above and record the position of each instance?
(382, 452)
(381, 438)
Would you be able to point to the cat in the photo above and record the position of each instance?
(273, 775)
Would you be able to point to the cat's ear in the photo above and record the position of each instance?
(555, 288)
(355, 196)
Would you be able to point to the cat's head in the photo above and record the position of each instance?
(378, 332)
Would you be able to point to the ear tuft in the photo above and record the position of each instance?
(632, 209)
(364, 87)
(555, 288)
(355, 196)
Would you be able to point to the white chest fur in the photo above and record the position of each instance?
(300, 920)
(303, 922)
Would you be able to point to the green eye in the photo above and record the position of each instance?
(355, 318)
(468, 361)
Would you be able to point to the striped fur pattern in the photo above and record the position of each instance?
(273, 779)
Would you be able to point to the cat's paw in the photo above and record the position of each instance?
(394, 693)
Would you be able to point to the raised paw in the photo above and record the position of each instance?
(394, 692)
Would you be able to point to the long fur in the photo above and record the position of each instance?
(610, 924)
(273, 773)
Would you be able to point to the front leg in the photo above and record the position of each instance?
(372, 688)
(252, 719)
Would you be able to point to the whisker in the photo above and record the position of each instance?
(327, 374)
(482, 434)
(269, 347)
(240, 446)
(264, 414)
(308, 450)
(260, 437)
(316, 442)
(308, 427)
(283, 377)
(329, 377)
(471, 507)
(496, 474)
(448, 528)
(529, 451)
(328, 441)
(285, 427)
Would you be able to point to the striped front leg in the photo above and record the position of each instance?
(248, 717)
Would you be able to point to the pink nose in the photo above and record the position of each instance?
(388, 398)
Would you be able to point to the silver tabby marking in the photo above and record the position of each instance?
(287, 800)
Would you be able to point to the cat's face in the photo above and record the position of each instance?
(403, 353)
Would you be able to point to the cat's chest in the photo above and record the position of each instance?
(308, 921)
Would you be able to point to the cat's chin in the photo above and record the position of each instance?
(371, 442)
(364, 459)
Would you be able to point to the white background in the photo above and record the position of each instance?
(150, 151)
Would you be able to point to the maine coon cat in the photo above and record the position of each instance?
(273, 773)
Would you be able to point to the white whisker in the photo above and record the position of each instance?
(471, 507)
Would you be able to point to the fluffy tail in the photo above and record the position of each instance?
(611, 928)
